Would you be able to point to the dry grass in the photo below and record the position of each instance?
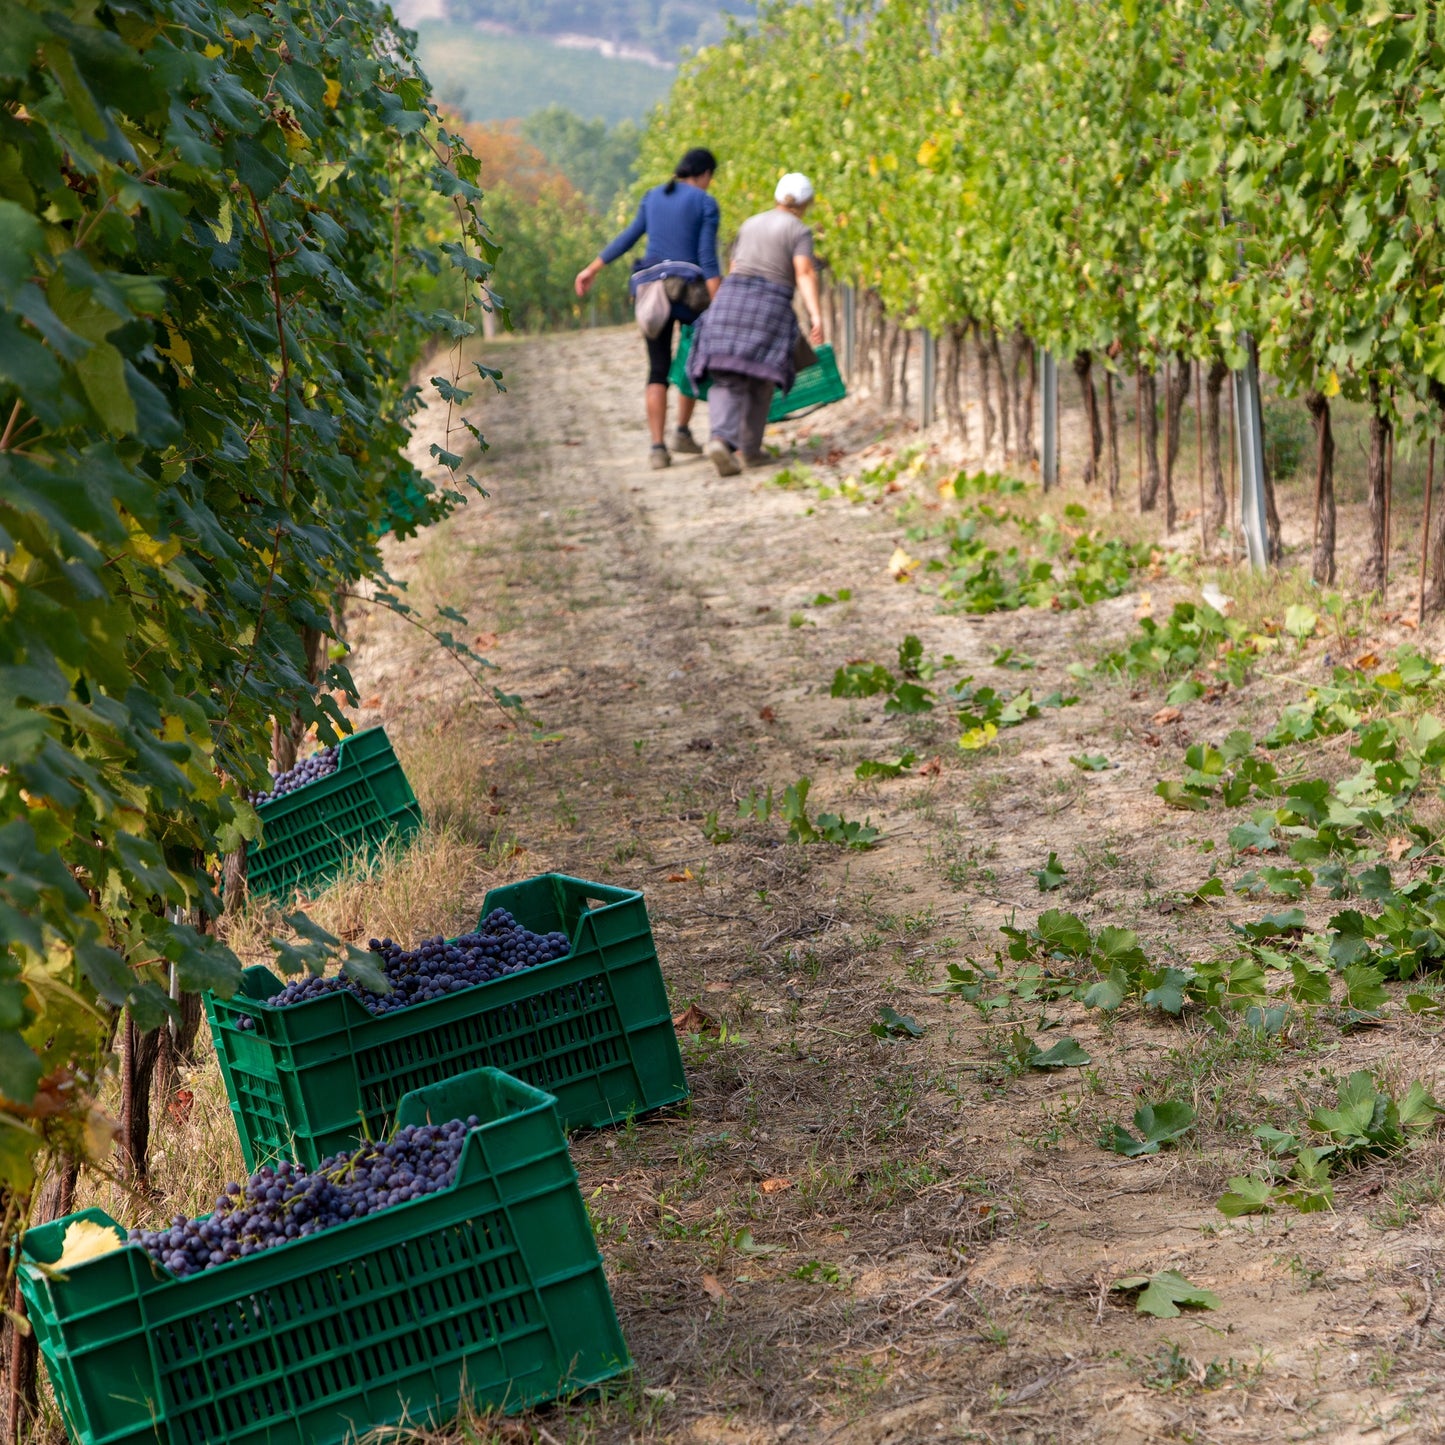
(436, 886)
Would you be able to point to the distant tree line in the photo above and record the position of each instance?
(555, 186)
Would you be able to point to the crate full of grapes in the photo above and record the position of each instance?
(455, 1260)
(560, 985)
(341, 804)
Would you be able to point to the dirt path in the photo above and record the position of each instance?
(847, 1238)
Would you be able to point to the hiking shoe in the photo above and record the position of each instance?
(684, 443)
(758, 459)
(659, 457)
(723, 457)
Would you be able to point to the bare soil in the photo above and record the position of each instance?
(848, 1238)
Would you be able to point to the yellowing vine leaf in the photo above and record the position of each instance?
(901, 565)
(86, 1240)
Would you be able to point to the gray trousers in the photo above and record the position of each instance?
(737, 409)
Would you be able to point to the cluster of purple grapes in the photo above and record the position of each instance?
(278, 1205)
(434, 968)
(308, 770)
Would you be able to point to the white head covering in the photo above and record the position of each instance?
(795, 189)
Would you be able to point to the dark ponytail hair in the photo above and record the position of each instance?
(697, 162)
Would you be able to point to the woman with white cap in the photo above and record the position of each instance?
(745, 343)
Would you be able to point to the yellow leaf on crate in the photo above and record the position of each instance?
(333, 92)
(86, 1240)
(901, 565)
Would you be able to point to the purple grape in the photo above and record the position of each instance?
(309, 770)
(281, 1203)
(436, 967)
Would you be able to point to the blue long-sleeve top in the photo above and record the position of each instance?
(679, 227)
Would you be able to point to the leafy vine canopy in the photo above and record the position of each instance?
(220, 225)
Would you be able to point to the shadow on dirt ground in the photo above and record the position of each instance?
(848, 1237)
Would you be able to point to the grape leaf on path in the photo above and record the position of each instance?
(1066, 1054)
(894, 1025)
(1158, 1124)
(1162, 1294)
(1052, 875)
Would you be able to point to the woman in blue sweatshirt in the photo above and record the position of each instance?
(680, 221)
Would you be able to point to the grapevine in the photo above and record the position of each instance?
(219, 228)
(1136, 186)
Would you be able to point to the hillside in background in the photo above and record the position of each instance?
(486, 75)
(662, 27)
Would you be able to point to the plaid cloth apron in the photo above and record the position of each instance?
(749, 328)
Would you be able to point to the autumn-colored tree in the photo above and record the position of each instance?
(552, 233)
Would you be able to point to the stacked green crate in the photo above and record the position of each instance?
(311, 834)
(593, 1028)
(490, 1290)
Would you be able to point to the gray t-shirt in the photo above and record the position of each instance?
(767, 243)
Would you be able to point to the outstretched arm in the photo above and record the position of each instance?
(619, 245)
(807, 278)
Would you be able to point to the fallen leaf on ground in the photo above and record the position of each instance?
(901, 565)
(1167, 715)
(1410, 623)
(179, 1108)
(713, 1285)
(372, 702)
(1367, 659)
(485, 639)
(1152, 740)
(767, 714)
(775, 1185)
(1396, 848)
(692, 1020)
(932, 768)
(684, 877)
(1145, 607)
(1162, 1294)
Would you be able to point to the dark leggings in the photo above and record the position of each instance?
(659, 354)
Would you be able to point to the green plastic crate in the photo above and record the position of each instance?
(312, 833)
(818, 385)
(593, 1028)
(491, 1289)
